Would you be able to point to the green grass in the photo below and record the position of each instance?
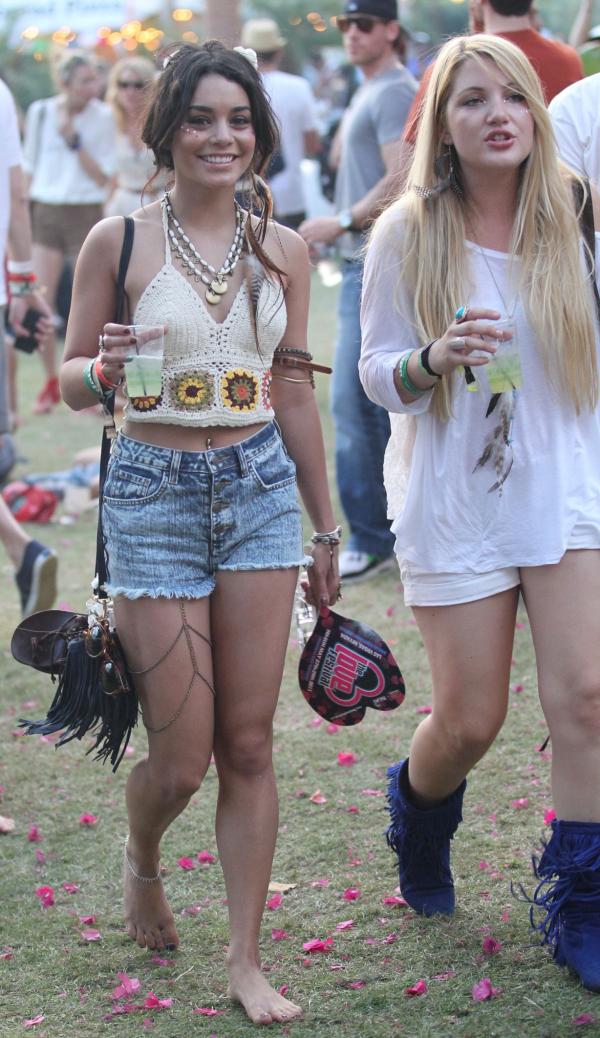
(54, 972)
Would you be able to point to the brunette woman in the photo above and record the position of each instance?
(202, 524)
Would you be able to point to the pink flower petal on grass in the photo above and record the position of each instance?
(40, 857)
(187, 864)
(87, 819)
(279, 935)
(70, 888)
(424, 709)
(583, 1019)
(152, 1001)
(395, 900)
(354, 985)
(7, 953)
(91, 935)
(208, 1011)
(34, 835)
(35, 1020)
(128, 986)
(87, 920)
(491, 946)
(549, 815)
(346, 760)
(332, 729)
(347, 924)
(520, 803)
(275, 902)
(206, 858)
(483, 990)
(317, 945)
(46, 896)
(317, 797)
(420, 988)
(351, 894)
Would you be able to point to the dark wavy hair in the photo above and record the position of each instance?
(184, 66)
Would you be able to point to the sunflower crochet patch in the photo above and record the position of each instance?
(192, 390)
(239, 390)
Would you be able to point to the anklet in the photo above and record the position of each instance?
(136, 875)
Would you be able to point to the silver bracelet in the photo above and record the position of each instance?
(333, 537)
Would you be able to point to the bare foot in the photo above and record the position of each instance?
(262, 1004)
(148, 917)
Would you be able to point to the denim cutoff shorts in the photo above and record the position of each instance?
(173, 518)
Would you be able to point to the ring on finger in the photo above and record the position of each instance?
(101, 343)
(457, 344)
(461, 313)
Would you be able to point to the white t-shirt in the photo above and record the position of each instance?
(294, 105)
(575, 114)
(446, 518)
(10, 156)
(58, 177)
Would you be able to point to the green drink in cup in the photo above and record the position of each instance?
(503, 369)
(143, 366)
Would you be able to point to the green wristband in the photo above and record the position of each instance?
(404, 377)
(89, 381)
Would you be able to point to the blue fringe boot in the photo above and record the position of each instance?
(569, 895)
(421, 840)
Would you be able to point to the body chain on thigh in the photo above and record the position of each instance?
(184, 629)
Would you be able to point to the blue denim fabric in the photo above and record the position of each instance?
(173, 518)
(362, 430)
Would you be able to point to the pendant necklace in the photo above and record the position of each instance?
(215, 280)
(498, 447)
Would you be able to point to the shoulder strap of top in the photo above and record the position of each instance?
(165, 223)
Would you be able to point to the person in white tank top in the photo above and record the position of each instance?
(494, 465)
(202, 526)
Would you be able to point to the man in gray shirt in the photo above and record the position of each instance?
(368, 176)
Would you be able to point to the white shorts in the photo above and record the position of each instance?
(422, 588)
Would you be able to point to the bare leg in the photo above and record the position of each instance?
(469, 648)
(250, 620)
(563, 603)
(48, 264)
(12, 535)
(160, 786)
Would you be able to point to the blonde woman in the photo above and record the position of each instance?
(127, 94)
(503, 488)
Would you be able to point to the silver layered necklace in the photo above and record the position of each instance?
(194, 264)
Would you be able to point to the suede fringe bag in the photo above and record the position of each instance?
(81, 651)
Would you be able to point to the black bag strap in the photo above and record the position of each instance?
(126, 248)
(588, 231)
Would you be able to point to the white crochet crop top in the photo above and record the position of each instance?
(213, 373)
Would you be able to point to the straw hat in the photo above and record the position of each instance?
(262, 34)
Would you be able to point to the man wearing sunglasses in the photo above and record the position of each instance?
(368, 170)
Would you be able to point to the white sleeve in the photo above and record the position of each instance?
(33, 129)
(387, 326)
(11, 142)
(105, 143)
(570, 129)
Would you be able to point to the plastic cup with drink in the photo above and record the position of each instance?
(143, 366)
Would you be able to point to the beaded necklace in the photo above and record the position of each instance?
(190, 257)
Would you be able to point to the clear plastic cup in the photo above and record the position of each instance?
(143, 366)
(503, 369)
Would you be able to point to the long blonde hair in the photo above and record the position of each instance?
(545, 235)
(137, 64)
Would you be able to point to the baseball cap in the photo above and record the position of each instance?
(386, 9)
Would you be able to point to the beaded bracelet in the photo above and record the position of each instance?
(402, 369)
(331, 538)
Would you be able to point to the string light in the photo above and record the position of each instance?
(182, 14)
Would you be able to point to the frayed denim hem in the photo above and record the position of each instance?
(132, 594)
(257, 567)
